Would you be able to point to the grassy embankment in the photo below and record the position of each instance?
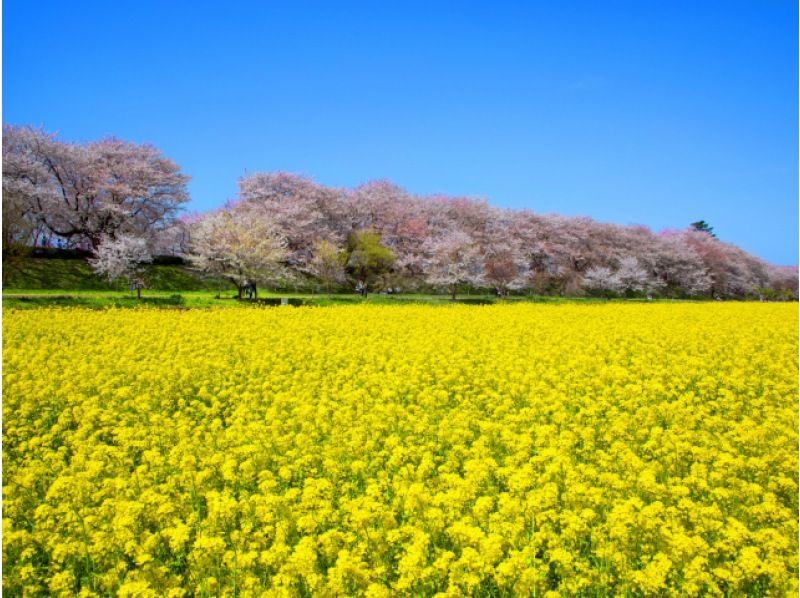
(37, 282)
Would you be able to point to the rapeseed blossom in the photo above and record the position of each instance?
(382, 451)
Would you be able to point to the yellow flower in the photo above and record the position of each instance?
(368, 450)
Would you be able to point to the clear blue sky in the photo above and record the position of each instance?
(656, 113)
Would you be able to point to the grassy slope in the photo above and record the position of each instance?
(37, 282)
(75, 275)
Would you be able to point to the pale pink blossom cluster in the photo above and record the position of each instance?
(456, 242)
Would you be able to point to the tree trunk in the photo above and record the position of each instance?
(255, 291)
(453, 295)
(241, 291)
(138, 292)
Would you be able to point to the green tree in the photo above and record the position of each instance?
(367, 259)
(703, 227)
(328, 263)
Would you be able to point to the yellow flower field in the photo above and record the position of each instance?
(381, 451)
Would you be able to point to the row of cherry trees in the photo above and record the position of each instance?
(122, 201)
(449, 243)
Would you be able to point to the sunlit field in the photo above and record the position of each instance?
(548, 450)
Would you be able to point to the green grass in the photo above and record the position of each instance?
(38, 282)
(76, 275)
(35, 298)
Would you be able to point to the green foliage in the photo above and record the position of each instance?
(703, 227)
(328, 264)
(767, 294)
(367, 259)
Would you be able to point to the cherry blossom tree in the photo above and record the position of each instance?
(601, 279)
(84, 193)
(304, 211)
(633, 278)
(400, 219)
(732, 271)
(783, 281)
(19, 226)
(680, 268)
(375, 206)
(174, 239)
(453, 260)
(540, 266)
(22, 177)
(122, 257)
(502, 270)
(241, 245)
